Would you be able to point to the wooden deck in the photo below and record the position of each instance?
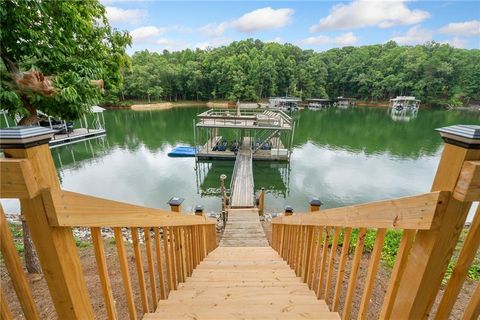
(242, 193)
(243, 229)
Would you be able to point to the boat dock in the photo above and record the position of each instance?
(77, 135)
(219, 133)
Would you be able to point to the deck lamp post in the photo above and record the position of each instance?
(199, 210)
(315, 204)
(175, 204)
(288, 210)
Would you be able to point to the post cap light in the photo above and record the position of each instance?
(21, 137)
(175, 201)
(466, 136)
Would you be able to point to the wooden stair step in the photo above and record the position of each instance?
(243, 316)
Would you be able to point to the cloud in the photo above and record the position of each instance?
(263, 19)
(213, 43)
(414, 35)
(467, 28)
(170, 44)
(346, 39)
(456, 42)
(251, 22)
(130, 16)
(146, 34)
(367, 13)
(214, 29)
(277, 40)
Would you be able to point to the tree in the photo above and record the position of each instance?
(72, 43)
(58, 57)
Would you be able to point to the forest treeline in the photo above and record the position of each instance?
(250, 70)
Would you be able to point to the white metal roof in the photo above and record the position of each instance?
(96, 109)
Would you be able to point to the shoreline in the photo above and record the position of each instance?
(145, 106)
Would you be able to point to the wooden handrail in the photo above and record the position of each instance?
(17, 179)
(415, 212)
(468, 184)
(70, 209)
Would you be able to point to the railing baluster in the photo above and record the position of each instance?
(167, 259)
(158, 251)
(139, 267)
(183, 243)
(5, 312)
(331, 262)
(472, 311)
(320, 293)
(178, 255)
(397, 273)
(103, 272)
(318, 251)
(173, 258)
(127, 283)
(15, 270)
(151, 273)
(353, 274)
(460, 272)
(309, 254)
(347, 233)
(313, 256)
(372, 273)
(301, 249)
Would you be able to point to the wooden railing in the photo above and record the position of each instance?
(317, 246)
(169, 245)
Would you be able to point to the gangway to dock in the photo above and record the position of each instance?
(241, 188)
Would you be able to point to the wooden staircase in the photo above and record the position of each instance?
(242, 283)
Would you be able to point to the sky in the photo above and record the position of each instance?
(317, 25)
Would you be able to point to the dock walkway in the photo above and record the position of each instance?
(242, 192)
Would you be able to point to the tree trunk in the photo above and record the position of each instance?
(31, 260)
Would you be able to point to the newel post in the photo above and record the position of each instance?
(315, 204)
(55, 246)
(175, 204)
(433, 248)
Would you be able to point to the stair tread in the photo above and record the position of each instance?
(243, 316)
(231, 278)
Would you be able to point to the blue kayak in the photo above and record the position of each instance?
(182, 151)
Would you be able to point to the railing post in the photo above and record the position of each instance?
(433, 248)
(175, 204)
(55, 246)
(261, 202)
(199, 210)
(315, 204)
(288, 210)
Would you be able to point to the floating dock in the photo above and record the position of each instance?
(81, 134)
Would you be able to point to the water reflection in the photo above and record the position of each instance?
(342, 156)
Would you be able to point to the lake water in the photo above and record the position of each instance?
(341, 156)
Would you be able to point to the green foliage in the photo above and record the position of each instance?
(392, 243)
(251, 70)
(69, 41)
(81, 244)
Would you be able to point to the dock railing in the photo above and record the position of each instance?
(317, 244)
(174, 243)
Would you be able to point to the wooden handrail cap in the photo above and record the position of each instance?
(21, 137)
(466, 136)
